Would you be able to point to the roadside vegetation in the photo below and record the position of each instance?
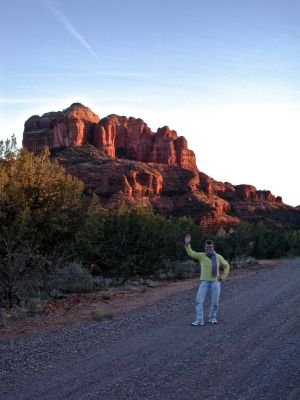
(54, 240)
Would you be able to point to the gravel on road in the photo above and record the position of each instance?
(253, 353)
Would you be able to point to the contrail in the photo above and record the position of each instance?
(69, 27)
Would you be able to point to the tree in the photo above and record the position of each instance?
(40, 212)
(8, 148)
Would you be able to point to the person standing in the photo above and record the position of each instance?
(214, 269)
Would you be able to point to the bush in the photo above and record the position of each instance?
(243, 261)
(73, 278)
(17, 313)
(22, 274)
(178, 270)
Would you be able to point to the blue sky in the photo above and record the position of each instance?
(225, 74)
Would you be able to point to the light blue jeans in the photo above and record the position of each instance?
(215, 289)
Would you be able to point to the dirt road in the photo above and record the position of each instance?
(154, 352)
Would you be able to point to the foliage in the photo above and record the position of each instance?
(53, 239)
(73, 278)
(22, 273)
(39, 213)
(40, 200)
(8, 148)
(126, 242)
(240, 262)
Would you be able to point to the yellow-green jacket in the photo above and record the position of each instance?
(206, 265)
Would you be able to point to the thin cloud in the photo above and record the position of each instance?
(75, 99)
(50, 5)
(25, 101)
(112, 74)
(117, 74)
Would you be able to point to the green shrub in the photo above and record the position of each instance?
(178, 270)
(243, 261)
(73, 278)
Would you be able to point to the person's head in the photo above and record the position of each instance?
(209, 246)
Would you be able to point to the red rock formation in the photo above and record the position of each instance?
(108, 177)
(128, 162)
(71, 127)
(123, 137)
(104, 139)
(133, 138)
(184, 157)
(245, 192)
(250, 193)
(163, 150)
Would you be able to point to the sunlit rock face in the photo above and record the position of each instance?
(71, 127)
(123, 161)
(116, 136)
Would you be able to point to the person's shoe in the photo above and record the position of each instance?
(196, 323)
(213, 321)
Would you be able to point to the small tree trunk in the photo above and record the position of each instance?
(2, 319)
(10, 297)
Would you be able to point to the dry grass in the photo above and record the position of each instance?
(99, 315)
(106, 295)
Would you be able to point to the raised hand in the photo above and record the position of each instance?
(187, 238)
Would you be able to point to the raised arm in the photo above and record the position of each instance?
(193, 254)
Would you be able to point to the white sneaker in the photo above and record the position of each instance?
(196, 323)
(213, 321)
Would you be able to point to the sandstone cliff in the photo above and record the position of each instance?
(116, 136)
(122, 160)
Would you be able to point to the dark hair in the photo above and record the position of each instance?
(210, 242)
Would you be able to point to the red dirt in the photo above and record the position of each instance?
(85, 307)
